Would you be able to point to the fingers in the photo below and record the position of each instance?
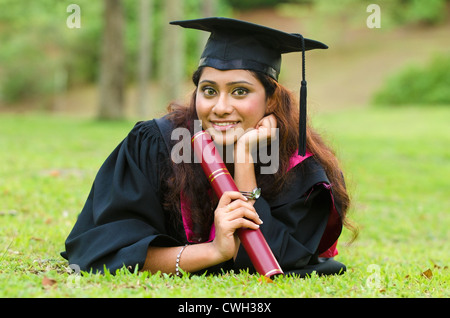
(243, 213)
(238, 213)
(267, 128)
(243, 223)
(230, 196)
(268, 122)
(238, 218)
(238, 204)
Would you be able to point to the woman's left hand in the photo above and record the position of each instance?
(232, 213)
(262, 134)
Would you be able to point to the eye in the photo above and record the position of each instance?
(240, 91)
(209, 91)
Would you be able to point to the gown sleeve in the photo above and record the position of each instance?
(123, 214)
(296, 221)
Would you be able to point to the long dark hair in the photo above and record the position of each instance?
(189, 180)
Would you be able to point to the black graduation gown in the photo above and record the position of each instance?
(123, 214)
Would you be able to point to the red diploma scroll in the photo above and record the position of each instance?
(253, 241)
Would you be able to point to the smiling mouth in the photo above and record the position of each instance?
(224, 124)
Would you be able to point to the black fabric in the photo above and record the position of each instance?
(237, 44)
(320, 266)
(124, 214)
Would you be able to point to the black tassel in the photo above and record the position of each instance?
(302, 121)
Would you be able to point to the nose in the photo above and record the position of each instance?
(223, 106)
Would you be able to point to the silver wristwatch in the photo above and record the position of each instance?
(252, 195)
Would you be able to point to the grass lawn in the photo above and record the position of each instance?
(397, 166)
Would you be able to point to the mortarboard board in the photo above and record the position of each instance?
(237, 44)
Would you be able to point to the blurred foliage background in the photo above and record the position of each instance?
(47, 66)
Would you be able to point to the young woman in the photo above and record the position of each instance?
(148, 210)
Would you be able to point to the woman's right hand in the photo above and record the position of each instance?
(233, 212)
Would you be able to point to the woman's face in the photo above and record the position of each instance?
(229, 103)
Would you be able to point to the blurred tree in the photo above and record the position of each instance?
(145, 54)
(254, 4)
(173, 52)
(417, 85)
(112, 64)
(41, 56)
(429, 12)
(209, 9)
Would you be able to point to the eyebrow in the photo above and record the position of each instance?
(228, 84)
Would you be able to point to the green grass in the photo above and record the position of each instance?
(396, 160)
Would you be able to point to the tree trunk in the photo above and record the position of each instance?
(145, 55)
(208, 9)
(172, 61)
(112, 71)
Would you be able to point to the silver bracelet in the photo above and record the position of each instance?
(177, 267)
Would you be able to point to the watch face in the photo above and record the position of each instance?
(257, 193)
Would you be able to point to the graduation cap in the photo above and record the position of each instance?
(236, 44)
